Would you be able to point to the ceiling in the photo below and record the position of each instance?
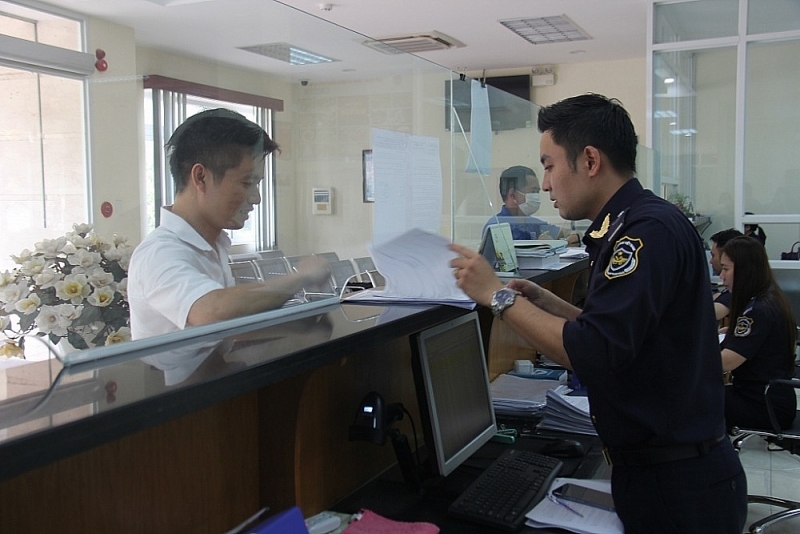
(214, 29)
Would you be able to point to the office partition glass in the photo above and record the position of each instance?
(736, 110)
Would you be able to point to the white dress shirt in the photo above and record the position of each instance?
(172, 268)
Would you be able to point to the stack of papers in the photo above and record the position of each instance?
(416, 266)
(567, 414)
(538, 254)
(575, 253)
(587, 520)
(512, 395)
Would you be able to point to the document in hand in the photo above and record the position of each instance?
(567, 414)
(416, 266)
(573, 516)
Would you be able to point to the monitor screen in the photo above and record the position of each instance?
(453, 393)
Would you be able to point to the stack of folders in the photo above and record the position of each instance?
(567, 414)
(538, 254)
(516, 396)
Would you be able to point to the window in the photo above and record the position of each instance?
(42, 128)
(168, 103)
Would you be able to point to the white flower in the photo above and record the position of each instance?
(50, 248)
(113, 254)
(98, 277)
(99, 242)
(12, 293)
(68, 312)
(118, 336)
(50, 322)
(102, 297)
(24, 256)
(127, 252)
(80, 242)
(84, 258)
(47, 278)
(69, 248)
(82, 228)
(119, 240)
(6, 278)
(74, 288)
(29, 304)
(33, 266)
(122, 288)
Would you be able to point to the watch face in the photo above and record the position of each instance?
(504, 296)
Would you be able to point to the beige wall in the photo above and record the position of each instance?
(322, 132)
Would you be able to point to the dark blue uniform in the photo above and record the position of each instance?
(759, 335)
(523, 227)
(645, 346)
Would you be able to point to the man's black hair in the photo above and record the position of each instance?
(514, 177)
(216, 138)
(592, 120)
(723, 236)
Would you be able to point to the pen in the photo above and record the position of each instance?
(562, 503)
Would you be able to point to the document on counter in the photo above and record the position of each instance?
(567, 414)
(416, 266)
(513, 395)
(575, 517)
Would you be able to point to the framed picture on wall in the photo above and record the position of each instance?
(368, 172)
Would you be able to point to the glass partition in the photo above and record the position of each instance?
(345, 97)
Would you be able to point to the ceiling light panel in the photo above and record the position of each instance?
(543, 30)
(288, 53)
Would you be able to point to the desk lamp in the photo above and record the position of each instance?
(373, 423)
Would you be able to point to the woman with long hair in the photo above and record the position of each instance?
(759, 344)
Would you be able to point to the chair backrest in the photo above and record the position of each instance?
(341, 272)
(245, 272)
(271, 267)
(332, 257)
(364, 264)
(294, 261)
(244, 256)
(269, 254)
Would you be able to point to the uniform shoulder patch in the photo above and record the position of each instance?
(744, 325)
(625, 257)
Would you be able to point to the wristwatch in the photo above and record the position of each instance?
(502, 299)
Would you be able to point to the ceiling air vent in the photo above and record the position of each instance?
(414, 44)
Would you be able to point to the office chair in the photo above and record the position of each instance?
(788, 440)
(269, 254)
(366, 268)
(244, 256)
(330, 256)
(244, 272)
(271, 267)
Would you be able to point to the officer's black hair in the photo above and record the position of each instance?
(592, 120)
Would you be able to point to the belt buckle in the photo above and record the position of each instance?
(607, 456)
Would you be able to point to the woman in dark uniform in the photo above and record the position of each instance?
(760, 342)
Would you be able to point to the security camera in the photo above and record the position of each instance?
(303, 82)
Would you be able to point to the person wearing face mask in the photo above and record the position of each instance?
(519, 189)
(179, 275)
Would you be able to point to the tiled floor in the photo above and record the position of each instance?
(774, 473)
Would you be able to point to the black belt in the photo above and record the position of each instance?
(658, 455)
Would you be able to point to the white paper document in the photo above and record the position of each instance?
(515, 395)
(416, 266)
(567, 414)
(588, 520)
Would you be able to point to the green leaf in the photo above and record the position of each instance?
(76, 340)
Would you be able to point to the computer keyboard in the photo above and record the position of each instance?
(513, 484)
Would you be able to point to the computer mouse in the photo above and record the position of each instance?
(563, 448)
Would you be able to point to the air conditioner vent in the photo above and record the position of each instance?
(414, 44)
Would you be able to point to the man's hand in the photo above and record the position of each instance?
(474, 275)
(315, 270)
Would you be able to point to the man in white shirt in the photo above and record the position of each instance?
(179, 275)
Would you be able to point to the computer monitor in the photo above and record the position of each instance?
(453, 392)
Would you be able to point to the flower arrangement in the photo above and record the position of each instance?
(683, 202)
(73, 287)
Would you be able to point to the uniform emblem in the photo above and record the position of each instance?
(625, 258)
(597, 234)
(744, 325)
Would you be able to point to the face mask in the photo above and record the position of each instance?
(531, 204)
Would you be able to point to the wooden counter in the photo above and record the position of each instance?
(263, 424)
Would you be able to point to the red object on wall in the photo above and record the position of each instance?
(106, 209)
(101, 65)
(99, 53)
